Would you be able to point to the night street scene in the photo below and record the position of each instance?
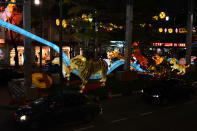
(98, 65)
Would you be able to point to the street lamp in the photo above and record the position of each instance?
(37, 2)
(167, 18)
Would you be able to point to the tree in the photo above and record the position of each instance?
(100, 30)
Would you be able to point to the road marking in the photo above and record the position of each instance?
(84, 128)
(190, 102)
(169, 107)
(116, 95)
(122, 119)
(146, 113)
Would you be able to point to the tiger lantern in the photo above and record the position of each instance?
(88, 68)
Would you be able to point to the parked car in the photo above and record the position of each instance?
(61, 108)
(164, 91)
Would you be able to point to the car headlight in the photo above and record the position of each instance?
(156, 96)
(23, 118)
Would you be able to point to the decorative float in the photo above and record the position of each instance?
(85, 73)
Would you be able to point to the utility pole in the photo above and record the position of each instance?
(27, 46)
(128, 34)
(60, 42)
(189, 32)
(42, 34)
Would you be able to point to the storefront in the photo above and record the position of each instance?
(46, 52)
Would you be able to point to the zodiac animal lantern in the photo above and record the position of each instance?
(181, 68)
(158, 59)
(88, 68)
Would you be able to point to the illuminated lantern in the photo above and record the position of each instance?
(57, 22)
(84, 17)
(41, 80)
(170, 30)
(160, 30)
(120, 27)
(37, 2)
(135, 44)
(175, 66)
(167, 18)
(64, 23)
(90, 19)
(158, 59)
(176, 30)
(162, 15)
(155, 17)
(165, 30)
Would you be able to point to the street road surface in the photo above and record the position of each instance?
(129, 113)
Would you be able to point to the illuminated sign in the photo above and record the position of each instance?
(182, 30)
(169, 44)
(181, 44)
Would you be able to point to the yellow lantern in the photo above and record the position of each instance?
(162, 15)
(160, 30)
(170, 30)
(155, 17)
(64, 23)
(84, 16)
(57, 22)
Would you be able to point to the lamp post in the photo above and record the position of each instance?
(27, 47)
(189, 32)
(37, 2)
(60, 41)
(27, 44)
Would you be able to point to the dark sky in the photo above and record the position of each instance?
(173, 5)
(176, 5)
